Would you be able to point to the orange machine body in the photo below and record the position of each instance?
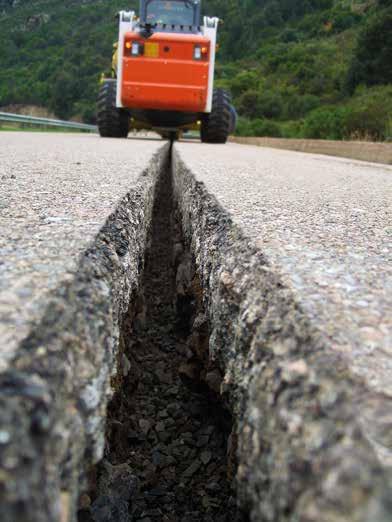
(166, 75)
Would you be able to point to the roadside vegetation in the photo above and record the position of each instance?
(295, 68)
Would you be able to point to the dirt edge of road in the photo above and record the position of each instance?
(358, 150)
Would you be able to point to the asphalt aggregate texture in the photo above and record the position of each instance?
(323, 224)
(57, 190)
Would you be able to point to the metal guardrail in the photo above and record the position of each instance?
(48, 122)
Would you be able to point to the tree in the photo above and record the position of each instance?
(65, 91)
(372, 60)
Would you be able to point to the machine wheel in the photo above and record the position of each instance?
(216, 126)
(112, 122)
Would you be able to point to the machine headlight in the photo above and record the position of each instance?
(136, 49)
(197, 53)
(200, 52)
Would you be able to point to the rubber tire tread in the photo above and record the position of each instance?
(112, 122)
(216, 126)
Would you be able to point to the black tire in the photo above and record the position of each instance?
(215, 127)
(112, 122)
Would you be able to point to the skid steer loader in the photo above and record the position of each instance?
(163, 75)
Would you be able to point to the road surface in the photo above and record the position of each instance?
(57, 190)
(326, 224)
(292, 256)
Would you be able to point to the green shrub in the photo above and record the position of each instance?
(260, 104)
(325, 123)
(244, 127)
(289, 35)
(299, 106)
(368, 124)
(247, 103)
(265, 128)
(370, 113)
(269, 105)
(85, 112)
(367, 116)
(244, 81)
(292, 129)
(343, 20)
(257, 128)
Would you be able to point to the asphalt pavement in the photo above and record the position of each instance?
(325, 225)
(307, 268)
(57, 190)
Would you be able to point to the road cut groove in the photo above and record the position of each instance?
(168, 453)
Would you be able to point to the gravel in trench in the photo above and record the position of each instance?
(169, 453)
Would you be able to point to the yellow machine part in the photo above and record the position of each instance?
(115, 60)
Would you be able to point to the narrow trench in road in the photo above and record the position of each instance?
(169, 453)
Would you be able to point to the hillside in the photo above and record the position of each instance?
(297, 68)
